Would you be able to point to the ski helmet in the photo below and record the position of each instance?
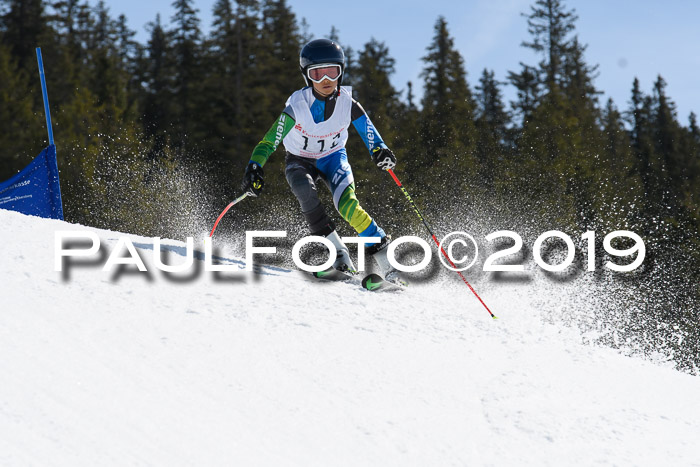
(320, 51)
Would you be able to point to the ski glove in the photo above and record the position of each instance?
(384, 158)
(253, 180)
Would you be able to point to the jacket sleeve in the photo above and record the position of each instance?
(272, 139)
(360, 120)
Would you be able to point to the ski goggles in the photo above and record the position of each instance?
(318, 73)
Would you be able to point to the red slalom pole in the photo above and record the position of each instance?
(230, 205)
(425, 223)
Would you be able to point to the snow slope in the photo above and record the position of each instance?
(277, 369)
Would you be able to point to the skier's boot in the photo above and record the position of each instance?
(343, 261)
(378, 252)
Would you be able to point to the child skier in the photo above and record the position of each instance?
(314, 129)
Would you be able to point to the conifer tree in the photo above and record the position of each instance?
(372, 88)
(23, 25)
(577, 85)
(372, 81)
(693, 127)
(305, 34)
(130, 55)
(647, 164)
(278, 59)
(407, 144)
(232, 42)
(491, 127)
(276, 77)
(108, 78)
(560, 137)
(219, 86)
(23, 135)
(667, 136)
(187, 76)
(351, 63)
(65, 52)
(528, 89)
(157, 92)
(448, 106)
(692, 149)
(617, 170)
(550, 25)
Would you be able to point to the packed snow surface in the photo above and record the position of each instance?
(275, 368)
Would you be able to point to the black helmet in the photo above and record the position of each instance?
(321, 51)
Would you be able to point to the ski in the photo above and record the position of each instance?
(332, 274)
(371, 282)
(375, 283)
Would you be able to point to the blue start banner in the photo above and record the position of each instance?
(35, 190)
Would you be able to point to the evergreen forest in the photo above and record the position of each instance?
(153, 138)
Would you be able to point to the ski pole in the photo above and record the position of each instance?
(230, 205)
(425, 223)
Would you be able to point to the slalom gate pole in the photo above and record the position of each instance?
(425, 223)
(44, 94)
(230, 205)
